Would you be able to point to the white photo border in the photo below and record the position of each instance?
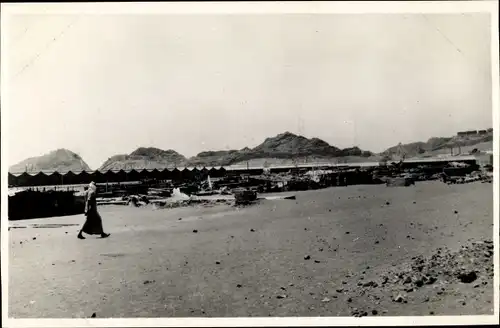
(351, 7)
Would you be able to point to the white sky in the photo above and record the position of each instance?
(112, 83)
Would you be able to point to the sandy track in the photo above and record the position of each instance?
(154, 265)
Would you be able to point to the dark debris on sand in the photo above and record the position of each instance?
(434, 275)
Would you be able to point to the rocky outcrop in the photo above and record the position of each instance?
(145, 158)
(61, 160)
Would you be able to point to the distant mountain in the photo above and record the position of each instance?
(437, 145)
(148, 158)
(60, 160)
(284, 146)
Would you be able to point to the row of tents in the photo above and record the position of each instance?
(26, 179)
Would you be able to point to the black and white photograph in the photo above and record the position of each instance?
(249, 163)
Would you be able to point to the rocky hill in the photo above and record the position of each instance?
(148, 158)
(440, 144)
(283, 146)
(61, 160)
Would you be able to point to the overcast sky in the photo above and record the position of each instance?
(105, 85)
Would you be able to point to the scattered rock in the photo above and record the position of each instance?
(430, 280)
(307, 257)
(317, 261)
(467, 277)
(93, 315)
(147, 282)
(387, 203)
(252, 230)
(399, 298)
(239, 286)
(34, 238)
(370, 284)
(456, 212)
(347, 232)
(217, 262)
(180, 219)
(374, 312)
(362, 314)
(281, 296)
(195, 231)
(376, 241)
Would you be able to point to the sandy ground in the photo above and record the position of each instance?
(306, 257)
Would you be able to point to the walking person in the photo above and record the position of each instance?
(93, 223)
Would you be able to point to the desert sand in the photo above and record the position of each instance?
(345, 251)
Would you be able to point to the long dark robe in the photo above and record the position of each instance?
(93, 224)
